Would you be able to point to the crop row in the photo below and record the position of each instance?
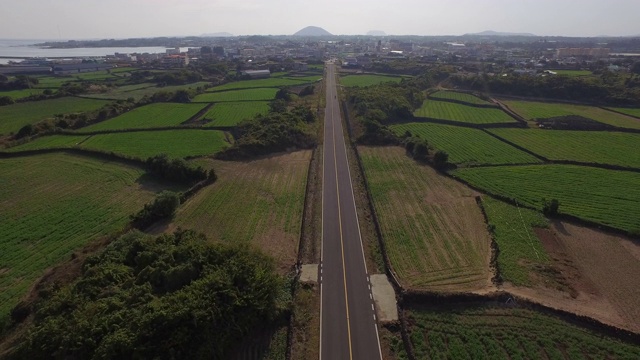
(259, 202)
(142, 144)
(602, 196)
(13, 117)
(367, 80)
(467, 146)
(433, 229)
(230, 113)
(258, 94)
(51, 205)
(150, 116)
(614, 148)
(454, 95)
(486, 333)
(539, 110)
(457, 112)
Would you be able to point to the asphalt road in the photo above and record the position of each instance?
(348, 327)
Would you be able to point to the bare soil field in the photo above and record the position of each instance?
(434, 230)
(600, 271)
(258, 202)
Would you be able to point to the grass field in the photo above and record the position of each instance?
(367, 80)
(307, 78)
(149, 116)
(53, 204)
(521, 252)
(573, 73)
(52, 141)
(433, 229)
(20, 94)
(259, 94)
(258, 202)
(138, 91)
(175, 143)
(606, 197)
(259, 83)
(462, 113)
(473, 332)
(615, 148)
(467, 146)
(53, 82)
(539, 110)
(230, 114)
(13, 117)
(632, 112)
(453, 95)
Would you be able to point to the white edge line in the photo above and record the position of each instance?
(353, 198)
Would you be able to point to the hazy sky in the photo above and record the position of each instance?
(79, 19)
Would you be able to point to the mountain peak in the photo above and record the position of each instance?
(312, 31)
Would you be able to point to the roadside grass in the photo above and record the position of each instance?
(606, 147)
(462, 113)
(258, 94)
(53, 204)
(434, 231)
(230, 113)
(258, 202)
(13, 117)
(466, 146)
(149, 116)
(475, 332)
(367, 80)
(539, 110)
(606, 197)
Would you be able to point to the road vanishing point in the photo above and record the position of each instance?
(348, 324)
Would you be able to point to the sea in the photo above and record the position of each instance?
(16, 50)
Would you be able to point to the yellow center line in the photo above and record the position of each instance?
(344, 269)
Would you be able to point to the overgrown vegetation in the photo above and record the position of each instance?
(178, 170)
(163, 206)
(172, 296)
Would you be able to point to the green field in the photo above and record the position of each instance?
(538, 110)
(453, 95)
(433, 229)
(53, 82)
(230, 114)
(367, 80)
(259, 83)
(614, 148)
(606, 197)
(466, 146)
(520, 250)
(175, 143)
(52, 141)
(149, 116)
(258, 202)
(13, 117)
(573, 73)
(477, 333)
(138, 91)
(632, 112)
(307, 78)
(53, 204)
(462, 113)
(20, 94)
(260, 94)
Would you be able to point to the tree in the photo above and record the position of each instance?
(6, 100)
(420, 150)
(550, 208)
(25, 131)
(635, 68)
(283, 94)
(440, 160)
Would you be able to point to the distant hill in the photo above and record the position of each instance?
(498, 33)
(313, 31)
(218, 34)
(376, 33)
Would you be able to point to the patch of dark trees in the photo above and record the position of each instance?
(282, 129)
(174, 296)
(573, 122)
(178, 170)
(607, 88)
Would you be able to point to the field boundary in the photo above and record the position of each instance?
(494, 265)
(106, 155)
(460, 102)
(619, 112)
(259, 87)
(516, 124)
(197, 115)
